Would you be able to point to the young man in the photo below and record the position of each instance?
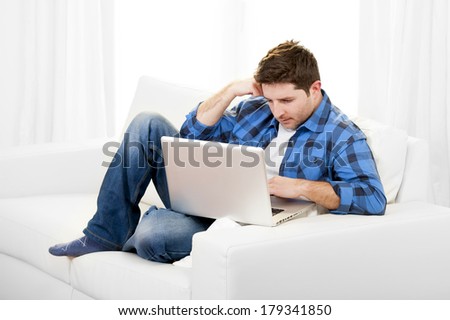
(315, 152)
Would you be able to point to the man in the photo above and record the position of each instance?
(315, 152)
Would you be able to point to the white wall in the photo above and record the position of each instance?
(206, 43)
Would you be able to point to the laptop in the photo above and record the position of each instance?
(218, 180)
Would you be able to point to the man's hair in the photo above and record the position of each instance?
(288, 62)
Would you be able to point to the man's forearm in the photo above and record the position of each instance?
(212, 109)
(320, 192)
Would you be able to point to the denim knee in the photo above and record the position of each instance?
(164, 235)
(145, 120)
(149, 239)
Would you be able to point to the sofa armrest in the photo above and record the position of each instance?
(400, 255)
(52, 168)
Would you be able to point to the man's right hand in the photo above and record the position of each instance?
(245, 87)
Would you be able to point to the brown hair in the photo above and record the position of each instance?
(288, 62)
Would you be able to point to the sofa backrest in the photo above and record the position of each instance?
(416, 184)
(402, 161)
(173, 101)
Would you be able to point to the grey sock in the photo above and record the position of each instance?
(77, 247)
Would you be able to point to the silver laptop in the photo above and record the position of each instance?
(217, 180)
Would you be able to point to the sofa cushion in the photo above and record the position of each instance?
(124, 275)
(20, 280)
(30, 225)
(388, 146)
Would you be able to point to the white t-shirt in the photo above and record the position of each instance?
(275, 151)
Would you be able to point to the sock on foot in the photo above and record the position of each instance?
(77, 247)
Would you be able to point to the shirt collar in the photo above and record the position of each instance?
(316, 122)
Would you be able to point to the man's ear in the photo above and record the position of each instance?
(257, 88)
(315, 87)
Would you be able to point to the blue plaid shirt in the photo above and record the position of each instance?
(326, 147)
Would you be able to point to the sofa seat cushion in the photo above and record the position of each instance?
(124, 275)
(30, 225)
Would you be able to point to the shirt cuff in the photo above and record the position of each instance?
(196, 128)
(345, 192)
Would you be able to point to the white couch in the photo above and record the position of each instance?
(48, 193)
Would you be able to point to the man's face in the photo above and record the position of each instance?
(290, 106)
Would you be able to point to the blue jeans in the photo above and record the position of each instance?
(162, 235)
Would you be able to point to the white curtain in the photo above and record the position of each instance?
(405, 75)
(57, 62)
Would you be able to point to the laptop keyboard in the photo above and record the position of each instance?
(276, 211)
